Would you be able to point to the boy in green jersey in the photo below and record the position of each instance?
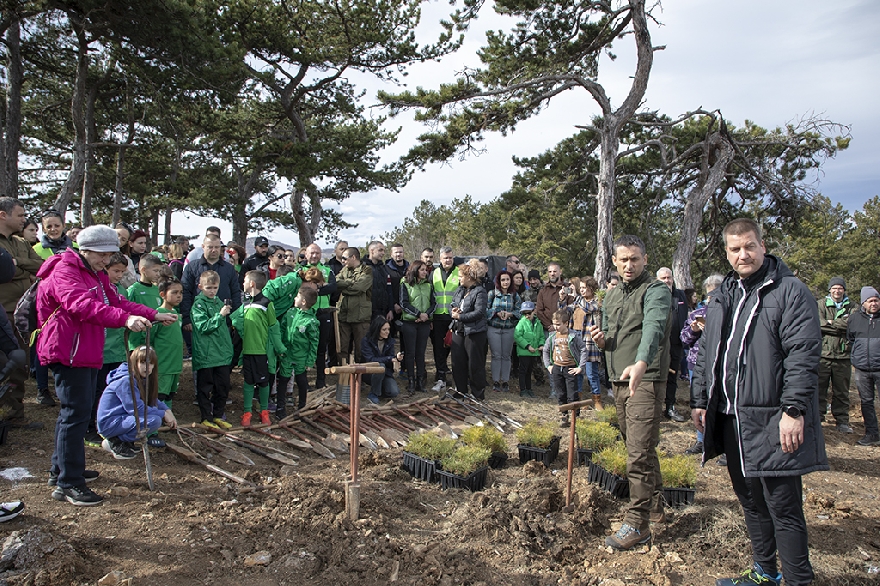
(254, 321)
(211, 351)
(145, 290)
(300, 333)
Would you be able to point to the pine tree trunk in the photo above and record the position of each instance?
(12, 112)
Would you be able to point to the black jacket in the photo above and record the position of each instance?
(678, 316)
(383, 298)
(385, 356)
(778, 364)
(254, 262)
(229, 285)
(863, 333)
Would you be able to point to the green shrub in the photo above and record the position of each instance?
(678, 471)
(429, 446)
(484, 436)
(607, 415)
(595, 435)
(612, 459)
(466, 459)
(536, 434)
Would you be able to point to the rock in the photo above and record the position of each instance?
(673, 558)
(288, 470)
(261, 558)
(114, 578)
(11, 547)
(227, 555)
(121, 491)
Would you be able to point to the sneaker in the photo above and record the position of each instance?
(246, 419)
(754, 576)
(264, 417)
(530, 394)
(88, 475)
(154, 441)
(505, 387)
(845, 428)
(722, 461)
(79, 496)
(440, 385)
(209, 424)
(627, 537)
(872, 439)
(553, 395)
(697, 448)
(93, 439)
(45, 398)
(10, 510)
(272, 406)
(496, 386)
(119, 449)
(671, 414)
(374, 399)
(222, 423)
(280, 413)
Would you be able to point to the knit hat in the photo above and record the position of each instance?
(836, 281)
(868, 292)
(527, 306)
(534, 274)
(98, 238)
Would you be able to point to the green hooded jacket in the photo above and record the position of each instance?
(211, 342)
(832, 322)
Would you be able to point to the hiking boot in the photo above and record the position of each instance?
(209, 424)
(246, 419)
(93, 439)
(845, 428)
(505, 387)
(264, 417)
(80, 496)
(410, 387)
(10, 510)
(280, 413)
(88, 475)
(673, 415)
(870, 439)
(119, 449)
(627, 537)
(45, 398)
(754, 576)
(697, 448)
(221, 423)
(597, 402)
(496, 386)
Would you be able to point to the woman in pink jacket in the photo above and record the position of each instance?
(75, 302)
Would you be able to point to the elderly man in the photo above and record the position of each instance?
(835, 367)
(513, 263)
(635, 336)
(754, 396)
(679, 315)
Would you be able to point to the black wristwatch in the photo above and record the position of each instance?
(792, 411)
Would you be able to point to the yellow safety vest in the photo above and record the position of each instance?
(443, 292)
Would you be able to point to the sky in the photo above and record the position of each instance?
(768, 62)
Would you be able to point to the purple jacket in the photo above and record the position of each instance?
(74, 335)
(692, 338)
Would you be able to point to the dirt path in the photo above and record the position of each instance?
(198, 528)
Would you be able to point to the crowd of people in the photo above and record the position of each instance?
(758, 357)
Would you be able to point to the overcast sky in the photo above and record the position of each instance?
(769, 62)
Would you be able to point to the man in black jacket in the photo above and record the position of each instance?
(863, 333)
(755, 396)
(383, 300)
(679, 315)
(258, 261)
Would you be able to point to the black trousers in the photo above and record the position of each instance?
(325, 333)
(212, 389)
(441, 353)
(415, 337)
(526, 364)
(469, 363)
(774, 513)
(675, 352)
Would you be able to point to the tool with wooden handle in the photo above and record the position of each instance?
(571, 443)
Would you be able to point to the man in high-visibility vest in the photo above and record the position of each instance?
(322, 308)
(445, 282)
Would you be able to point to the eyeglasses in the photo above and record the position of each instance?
(515, 261)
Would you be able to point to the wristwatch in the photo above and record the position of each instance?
(792, 411)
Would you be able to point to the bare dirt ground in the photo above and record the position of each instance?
(198, 528)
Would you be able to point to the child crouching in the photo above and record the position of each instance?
(117, 412)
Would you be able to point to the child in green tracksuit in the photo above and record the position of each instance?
(300, 333)
(167, 341)
(211, 351)
(145, 291)
(254, 321)
(529, 339)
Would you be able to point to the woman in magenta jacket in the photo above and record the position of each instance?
(75, 302)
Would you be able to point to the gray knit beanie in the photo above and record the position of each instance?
(868, 292)
(837, 281)
(98, 238)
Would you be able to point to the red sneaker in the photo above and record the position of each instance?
(264, 418)
(246, 419)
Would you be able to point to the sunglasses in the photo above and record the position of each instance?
(279, 256)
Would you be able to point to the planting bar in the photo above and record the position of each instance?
(194, 459)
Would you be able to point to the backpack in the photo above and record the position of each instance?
(25, 314)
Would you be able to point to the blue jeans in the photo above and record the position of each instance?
(75, 388)
(383, 385)
(591, 372)
(691, 381)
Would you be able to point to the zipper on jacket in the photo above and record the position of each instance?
(74, 347)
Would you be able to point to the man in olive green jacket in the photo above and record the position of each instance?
(834, 366)
(635, 336)
(355, 286)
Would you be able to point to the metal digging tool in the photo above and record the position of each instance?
(571, 445)
(141, 429)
